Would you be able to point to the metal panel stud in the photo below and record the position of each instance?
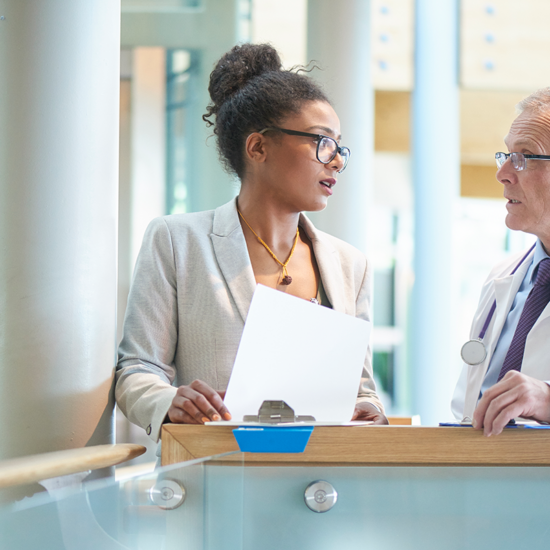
(320, 496)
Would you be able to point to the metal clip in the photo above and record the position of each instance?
(276, 412)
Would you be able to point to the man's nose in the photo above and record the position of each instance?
(506, 173)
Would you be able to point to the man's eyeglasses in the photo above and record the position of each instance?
(517, 159)
(327, 147)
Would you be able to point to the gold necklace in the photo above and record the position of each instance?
(287, 279)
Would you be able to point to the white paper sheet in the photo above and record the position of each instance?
(326, 424)
(305, 354)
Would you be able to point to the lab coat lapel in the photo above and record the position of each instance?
(476, 373)
(540, 321)
(535, 358)
(232, 255)
(506, 289)
(504, 292)
(329, 266)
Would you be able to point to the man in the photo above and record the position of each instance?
(513, 380)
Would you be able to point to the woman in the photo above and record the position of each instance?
(196, 273)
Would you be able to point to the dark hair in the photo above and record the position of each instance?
(250, 90)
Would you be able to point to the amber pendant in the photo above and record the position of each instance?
(287, 279)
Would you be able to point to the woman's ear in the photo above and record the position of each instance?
(255, 147)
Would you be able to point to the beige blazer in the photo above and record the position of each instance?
(192, 287)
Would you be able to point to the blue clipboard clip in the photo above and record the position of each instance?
(272, 439)
(276, 431)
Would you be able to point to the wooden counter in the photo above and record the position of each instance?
(371, 446)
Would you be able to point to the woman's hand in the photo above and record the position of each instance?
(367, 411)
(198, 403)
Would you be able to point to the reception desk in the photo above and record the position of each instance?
(398, 488)
(391, 488)
(371, 446)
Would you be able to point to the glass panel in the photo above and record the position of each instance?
(181, 103)
(384, 297)
(177, 161)
(181, 61)
(398, 508)
(383, 366)
(179, 88)
(231, 506)
(133, 514)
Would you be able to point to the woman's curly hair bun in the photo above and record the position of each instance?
(236, 68)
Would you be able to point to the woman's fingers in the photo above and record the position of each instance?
(196, 404)
(179, 416)
(212, 399)
(184, 411)
(367, 411)
(380, 419)
(191, 407)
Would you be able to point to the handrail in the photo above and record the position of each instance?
(30, 469)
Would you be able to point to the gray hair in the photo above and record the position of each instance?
(537, 102)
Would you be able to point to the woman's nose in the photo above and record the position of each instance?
(337, 162)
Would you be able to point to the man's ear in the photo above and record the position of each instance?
(255, 147)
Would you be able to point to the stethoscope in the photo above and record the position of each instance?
(474, 352)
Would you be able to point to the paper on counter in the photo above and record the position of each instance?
(326, 424)
(302, 353)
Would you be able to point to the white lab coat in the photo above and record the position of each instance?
(536, 359)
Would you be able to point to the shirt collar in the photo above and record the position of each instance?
(538, 256)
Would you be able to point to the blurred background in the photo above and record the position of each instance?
(426, 92)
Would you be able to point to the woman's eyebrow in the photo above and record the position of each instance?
(326, 131)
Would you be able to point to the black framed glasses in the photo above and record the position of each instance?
(517, 159)
(327, 147)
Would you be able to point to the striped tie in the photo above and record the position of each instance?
(535, 303)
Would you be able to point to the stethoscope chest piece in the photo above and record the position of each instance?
(473, 352)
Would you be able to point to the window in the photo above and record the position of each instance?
(180, 94)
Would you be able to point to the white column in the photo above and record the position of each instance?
(59, 99)
(436, 176)
(339, 42)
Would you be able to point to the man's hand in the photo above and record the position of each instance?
(367, 411)
(515, 395)
(197, 403)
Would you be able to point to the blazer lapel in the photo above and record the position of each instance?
(232, 256)
(329, 266)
